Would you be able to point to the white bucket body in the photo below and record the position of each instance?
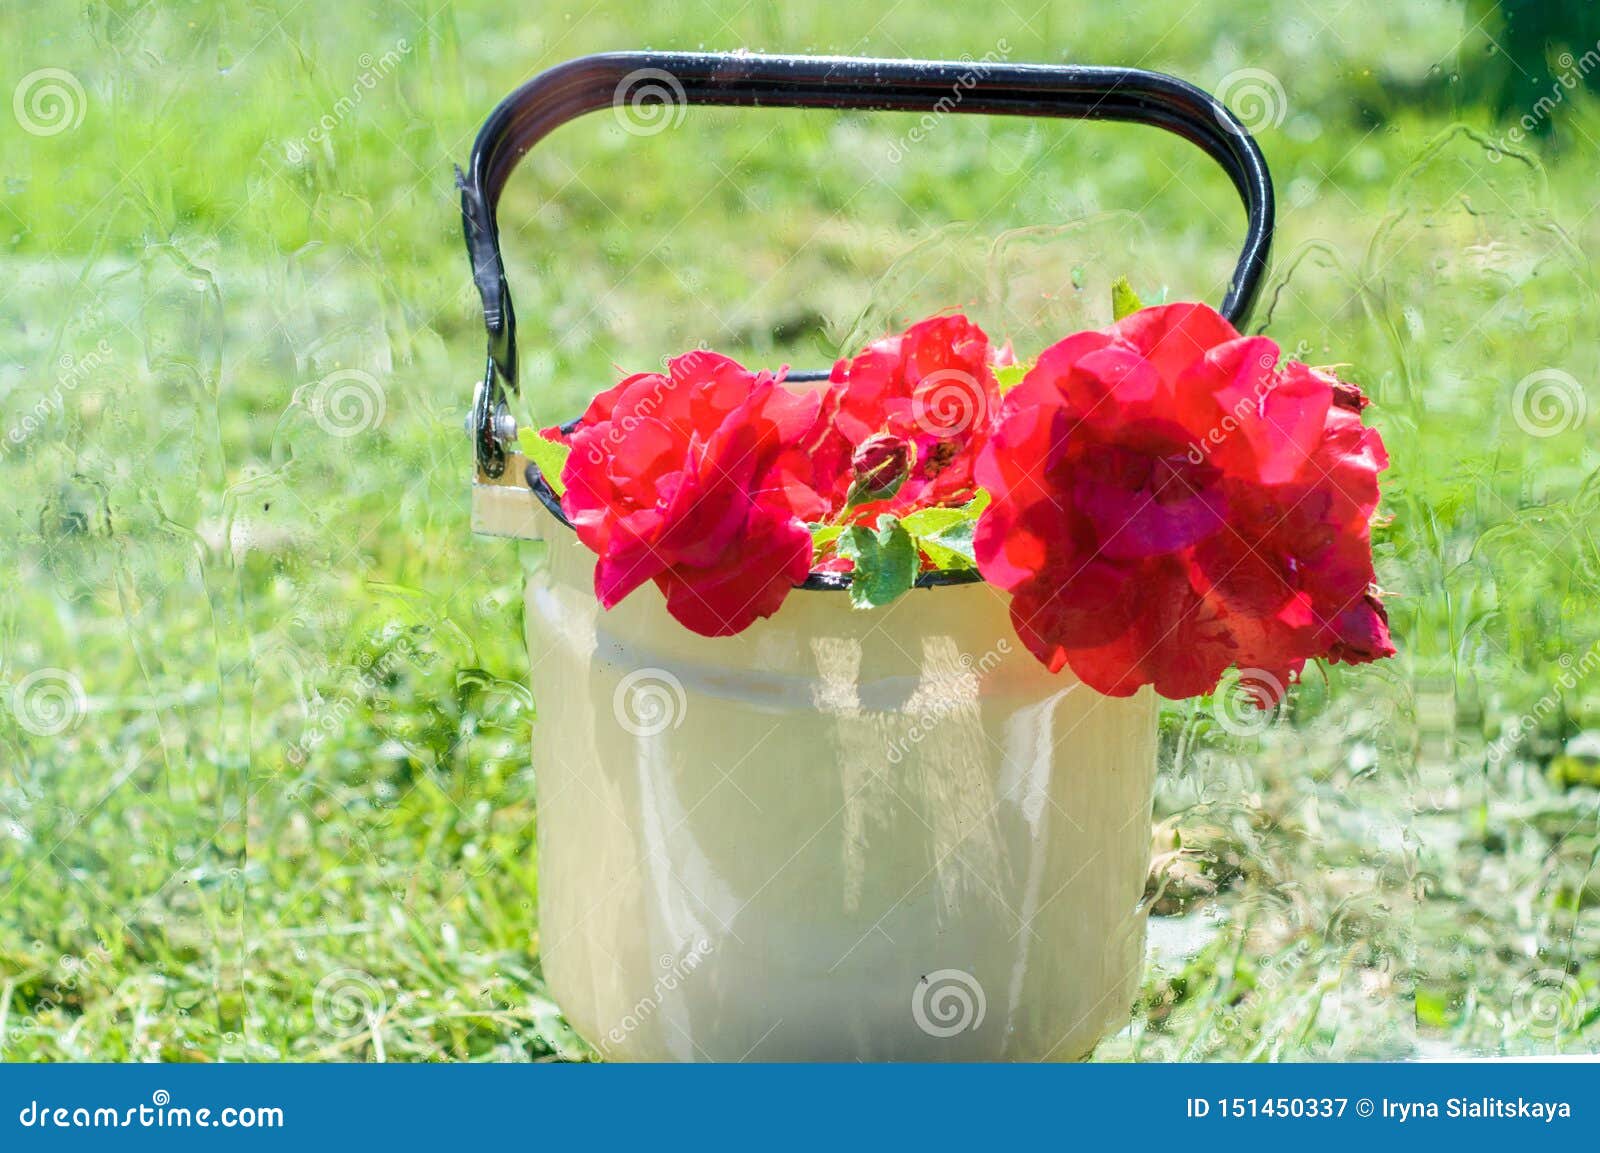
(839, 835)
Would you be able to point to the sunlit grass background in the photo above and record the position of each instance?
(264, 779)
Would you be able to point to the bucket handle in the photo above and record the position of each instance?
(589, 83)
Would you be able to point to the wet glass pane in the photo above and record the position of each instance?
(266, 789)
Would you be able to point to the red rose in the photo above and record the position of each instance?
(695, 480)
(932, 387)
(1299, 558)
(1167, 502)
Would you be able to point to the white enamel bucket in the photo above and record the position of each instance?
(839, 835)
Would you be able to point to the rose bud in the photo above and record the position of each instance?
(879, 461)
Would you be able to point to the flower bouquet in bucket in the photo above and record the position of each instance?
(847, 686)
(1163, 499)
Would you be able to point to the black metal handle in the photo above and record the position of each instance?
(588, 83)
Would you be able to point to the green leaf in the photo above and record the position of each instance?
(548, 455)
(951, 547)
(927, 521)
(886, 562)
(945, 534)
(1008, 376)
(932, 520)
(1124, 301)
(823, 537)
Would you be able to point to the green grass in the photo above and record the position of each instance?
(294, 818)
